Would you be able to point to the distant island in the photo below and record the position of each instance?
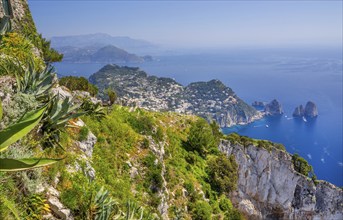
(99, 40)
(211, 100)
(106, 54)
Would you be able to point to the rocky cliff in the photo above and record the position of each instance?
(270, 188)
(210, 100)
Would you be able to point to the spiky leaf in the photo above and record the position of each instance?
(18, 130)
(24, 164)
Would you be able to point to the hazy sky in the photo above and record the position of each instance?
(197, 23)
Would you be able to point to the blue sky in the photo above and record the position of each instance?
(197, 23)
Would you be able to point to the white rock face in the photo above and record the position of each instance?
(270, 188)
(57, 208)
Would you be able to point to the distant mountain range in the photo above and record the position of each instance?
(106, 54)
(100, 40)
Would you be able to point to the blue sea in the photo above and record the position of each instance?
(292, 76)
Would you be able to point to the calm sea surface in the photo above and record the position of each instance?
(291, 76)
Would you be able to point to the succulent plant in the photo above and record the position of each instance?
(93, 110)
(103, 205)
(38, 83)
(16, 131)
(58, 114)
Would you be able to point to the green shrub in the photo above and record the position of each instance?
(16, 47)
(153, 175)
(112, 95)
(233, 214)
(78, 83)
(142, 123)
(225, 203)
(201, 211)
(301, 165)
(201, 138)
(223, 173)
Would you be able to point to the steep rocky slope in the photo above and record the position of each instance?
(270, 188)
(210, 100)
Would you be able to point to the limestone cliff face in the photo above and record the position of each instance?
(270, 188)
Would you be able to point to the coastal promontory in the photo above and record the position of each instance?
(211, 100)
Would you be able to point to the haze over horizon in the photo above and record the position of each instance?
(197, 24)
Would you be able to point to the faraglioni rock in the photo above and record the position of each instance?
(211, 100)
(268, 187)
(310, 110)
(299, 111)
(273, 108)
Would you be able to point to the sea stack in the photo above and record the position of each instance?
(311, 110)
(273, 108)
(299, 111)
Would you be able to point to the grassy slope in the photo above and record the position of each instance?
(127, 139)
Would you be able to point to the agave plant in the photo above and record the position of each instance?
(132, 210)
(93, 110)
(15, 132)
(38, 83)
(59, 112)
(102, 206)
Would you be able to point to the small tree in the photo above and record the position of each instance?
(112, 96)
(301, 165)
(201, 137)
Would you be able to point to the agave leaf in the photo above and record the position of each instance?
(16, 131)
(76, 115)
(24, 164)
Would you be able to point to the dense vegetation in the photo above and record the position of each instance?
(78, 83)
(247, 141)
(303, 167)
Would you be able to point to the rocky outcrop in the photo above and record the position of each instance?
(211, 100)
(270, 188)
(310, 110)
(299, 111)
(273, 108)
(57, 208)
